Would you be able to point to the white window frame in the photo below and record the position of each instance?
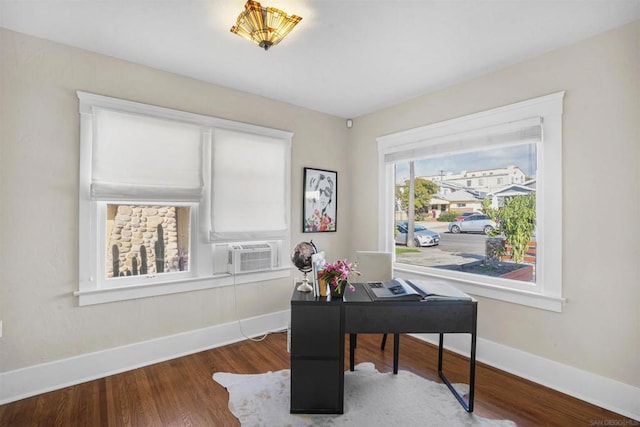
(203, 267)
(546, 293)
(99, 209)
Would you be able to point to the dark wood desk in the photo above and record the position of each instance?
(318, 326)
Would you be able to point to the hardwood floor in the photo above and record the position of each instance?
(181, 392)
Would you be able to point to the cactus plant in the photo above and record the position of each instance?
(159, 247)
(115, 255)
(134, 265)
(143, 259)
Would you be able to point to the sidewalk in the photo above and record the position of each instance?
(436, 257)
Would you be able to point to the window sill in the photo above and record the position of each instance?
(478, 288)
(106, 295)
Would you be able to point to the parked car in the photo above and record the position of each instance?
(422, 236)
(478, 223)
(463, 215)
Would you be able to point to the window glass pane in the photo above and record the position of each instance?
(133, 243)
(448, 190)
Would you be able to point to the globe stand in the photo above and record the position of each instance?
(305, 286)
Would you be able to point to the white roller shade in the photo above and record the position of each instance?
(250, 183)
(143, 158)
(520, 132)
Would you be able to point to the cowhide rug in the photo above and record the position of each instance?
(371, 399)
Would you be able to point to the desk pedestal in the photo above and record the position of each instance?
(317, 356)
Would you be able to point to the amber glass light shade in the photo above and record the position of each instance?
(265, 26)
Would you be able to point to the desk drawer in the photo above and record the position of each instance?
(316, 331)
(316, 386)
(423, 317)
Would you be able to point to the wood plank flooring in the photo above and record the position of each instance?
(181, 392)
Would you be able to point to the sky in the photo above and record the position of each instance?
(523, 156)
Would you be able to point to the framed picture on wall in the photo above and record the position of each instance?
(320, 201)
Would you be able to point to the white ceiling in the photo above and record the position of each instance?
(345, 57)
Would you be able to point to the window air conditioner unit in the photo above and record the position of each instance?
(252, 257)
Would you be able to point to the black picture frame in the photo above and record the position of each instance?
(319, 201)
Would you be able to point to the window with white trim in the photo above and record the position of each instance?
(535, 123)
(166, 195)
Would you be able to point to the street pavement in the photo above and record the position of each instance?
(433, 255)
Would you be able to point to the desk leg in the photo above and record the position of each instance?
(352, 351)
(396, 352)
(472, 374)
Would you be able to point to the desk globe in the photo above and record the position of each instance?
(301, 258)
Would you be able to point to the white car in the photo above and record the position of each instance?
(422, 236)
(473, 224)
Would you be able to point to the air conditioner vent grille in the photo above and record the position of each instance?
(252, 257)
(255, 246)
(255, 261)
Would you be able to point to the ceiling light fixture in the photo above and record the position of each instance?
(265, 26)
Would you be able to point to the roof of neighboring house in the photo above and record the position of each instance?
(463, 196)
(514, 190)
(438, 200)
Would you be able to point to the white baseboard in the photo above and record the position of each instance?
(613, 395)
(606, 393)
(34, 380)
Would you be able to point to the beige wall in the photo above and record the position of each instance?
(39, 193)
(599, 329)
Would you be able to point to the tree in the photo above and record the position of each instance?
(488, 209)
(517, 222)
(411, 205)
(423, 190)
